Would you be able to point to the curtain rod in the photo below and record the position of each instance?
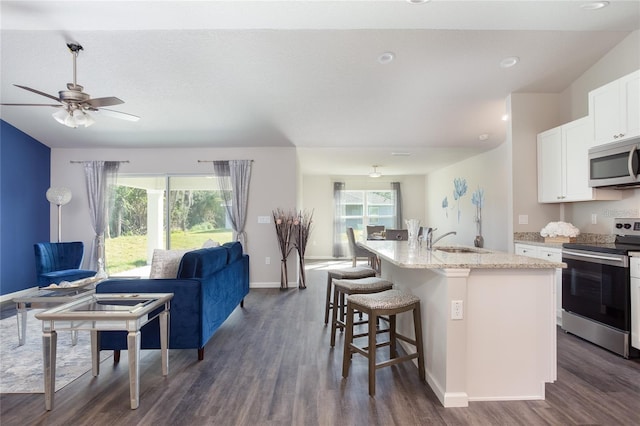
(213, 161)
(88, 161)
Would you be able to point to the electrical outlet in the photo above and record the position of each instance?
(456, 310)
(523, 219)
(267, 261)
(263, 219)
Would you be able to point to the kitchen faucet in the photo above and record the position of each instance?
(429, 237)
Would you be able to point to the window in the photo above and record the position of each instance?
(141, 211)
(373, 207)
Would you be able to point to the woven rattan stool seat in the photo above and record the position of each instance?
(339, 274)
(363, 285)
(391, 299)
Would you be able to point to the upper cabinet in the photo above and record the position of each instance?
(563, 174)
(615, 109)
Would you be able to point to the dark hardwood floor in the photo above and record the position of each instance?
(271, 364)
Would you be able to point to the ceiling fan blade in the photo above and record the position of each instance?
(118, 114)
(38, 92)
(47, 105)
(100, 102)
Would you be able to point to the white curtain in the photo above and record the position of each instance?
(233, 181)
(339, 228)
(100, 178)
(395, 186)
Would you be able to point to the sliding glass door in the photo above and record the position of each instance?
(162, 212)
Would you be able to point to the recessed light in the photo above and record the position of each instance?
(509, 62)
(483, 137)
(401, 154)
(386, 57)
(594, 5)
(418, 1)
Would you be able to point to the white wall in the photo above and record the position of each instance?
(318, 196)
(273, 185)
(489, 171)
(620, 61)
(531, 113)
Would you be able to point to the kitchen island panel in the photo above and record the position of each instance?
(504, 348)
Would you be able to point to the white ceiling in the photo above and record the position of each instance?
(301, 73)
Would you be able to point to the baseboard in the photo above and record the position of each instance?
(274, 284)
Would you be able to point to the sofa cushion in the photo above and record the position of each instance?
(202, 263)
(235, 251)
(165, 263)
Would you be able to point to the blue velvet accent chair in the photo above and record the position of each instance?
(56, 262)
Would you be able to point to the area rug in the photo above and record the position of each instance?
(21, 367)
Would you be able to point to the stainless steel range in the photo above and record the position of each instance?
(596, 299)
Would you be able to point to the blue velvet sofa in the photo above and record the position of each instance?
(56, 262)
(211, 282)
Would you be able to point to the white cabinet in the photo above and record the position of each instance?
(563, 165)
(615, 108)
(547, 253)
(635, 302)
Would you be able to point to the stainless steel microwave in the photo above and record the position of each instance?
(615, 164)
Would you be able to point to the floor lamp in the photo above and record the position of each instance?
(59, 196)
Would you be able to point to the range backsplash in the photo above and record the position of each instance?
(582, 238)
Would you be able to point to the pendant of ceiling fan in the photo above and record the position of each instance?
(75, 102)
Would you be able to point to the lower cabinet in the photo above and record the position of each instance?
(547, 253)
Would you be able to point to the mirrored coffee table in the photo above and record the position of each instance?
(46, 297)
(106, 311)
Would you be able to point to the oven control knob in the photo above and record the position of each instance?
(627, 226)
(619, 225)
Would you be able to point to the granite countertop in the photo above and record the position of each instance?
(398, 253)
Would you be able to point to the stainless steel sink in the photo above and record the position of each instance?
(459, 250)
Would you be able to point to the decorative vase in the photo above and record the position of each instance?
(479, 240)
(284, 282)
(413, 227)
(302, 279)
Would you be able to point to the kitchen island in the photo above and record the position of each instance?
(502, 346)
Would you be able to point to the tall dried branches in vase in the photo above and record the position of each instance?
(302, 230)
(284, 231)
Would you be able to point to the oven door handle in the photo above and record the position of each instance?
(596, 257)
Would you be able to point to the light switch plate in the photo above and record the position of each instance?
(523, 219)
(264, 219)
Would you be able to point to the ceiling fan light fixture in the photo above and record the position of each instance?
(73, 118)
(60, 116)
(375, 173)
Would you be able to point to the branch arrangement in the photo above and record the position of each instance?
(293, 230)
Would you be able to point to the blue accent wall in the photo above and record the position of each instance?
(25, 170)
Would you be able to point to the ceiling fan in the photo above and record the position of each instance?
(74, 104)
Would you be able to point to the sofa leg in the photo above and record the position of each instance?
(200, 354)
(116, 356)
(242, 303)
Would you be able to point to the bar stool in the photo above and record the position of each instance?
(341, 288)
(343, 274)
(391, 303)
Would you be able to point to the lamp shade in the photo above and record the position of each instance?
(58, 195)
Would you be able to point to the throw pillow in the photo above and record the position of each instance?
(210, 243)
(165, 263)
